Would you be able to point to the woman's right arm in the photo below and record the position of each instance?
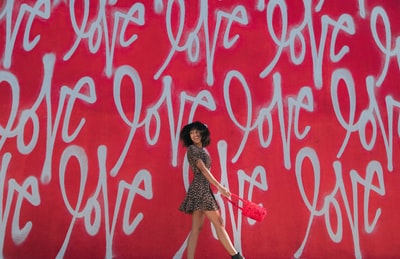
(210, 177)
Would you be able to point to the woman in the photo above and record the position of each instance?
(200, 201)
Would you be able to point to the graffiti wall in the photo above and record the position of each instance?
(302, 99)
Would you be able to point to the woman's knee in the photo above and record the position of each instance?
(197, 228)
(215, 218)
(219, 222)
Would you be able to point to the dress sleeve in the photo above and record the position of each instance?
(193, 154)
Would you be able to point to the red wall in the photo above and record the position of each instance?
(302, 99)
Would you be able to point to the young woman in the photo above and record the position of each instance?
(200, 201)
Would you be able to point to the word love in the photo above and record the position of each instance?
(97, 32)
(91, 212)
(294, 38)
(372, 117)
(331, 202)
(93, 32)
(17, 128)
(192, 45)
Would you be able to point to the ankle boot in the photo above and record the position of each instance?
(237, 256)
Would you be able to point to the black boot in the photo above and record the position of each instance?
(237, 256)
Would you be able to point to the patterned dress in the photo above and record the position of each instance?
(199, 195)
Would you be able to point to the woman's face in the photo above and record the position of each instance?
(195, 136)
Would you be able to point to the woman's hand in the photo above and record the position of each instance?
(224, 191)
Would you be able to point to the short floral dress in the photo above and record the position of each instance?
(199, 195)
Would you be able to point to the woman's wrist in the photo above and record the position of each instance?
(224, 191)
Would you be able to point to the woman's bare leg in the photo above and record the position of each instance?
(216, 220)
(197, 224)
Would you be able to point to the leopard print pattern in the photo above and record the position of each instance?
(199, 195)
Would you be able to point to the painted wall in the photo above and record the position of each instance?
(302, 99)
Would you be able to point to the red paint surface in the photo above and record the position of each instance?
(252, 117)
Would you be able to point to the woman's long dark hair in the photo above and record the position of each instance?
(204, 133)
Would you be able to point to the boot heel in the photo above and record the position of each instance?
(237, 256)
